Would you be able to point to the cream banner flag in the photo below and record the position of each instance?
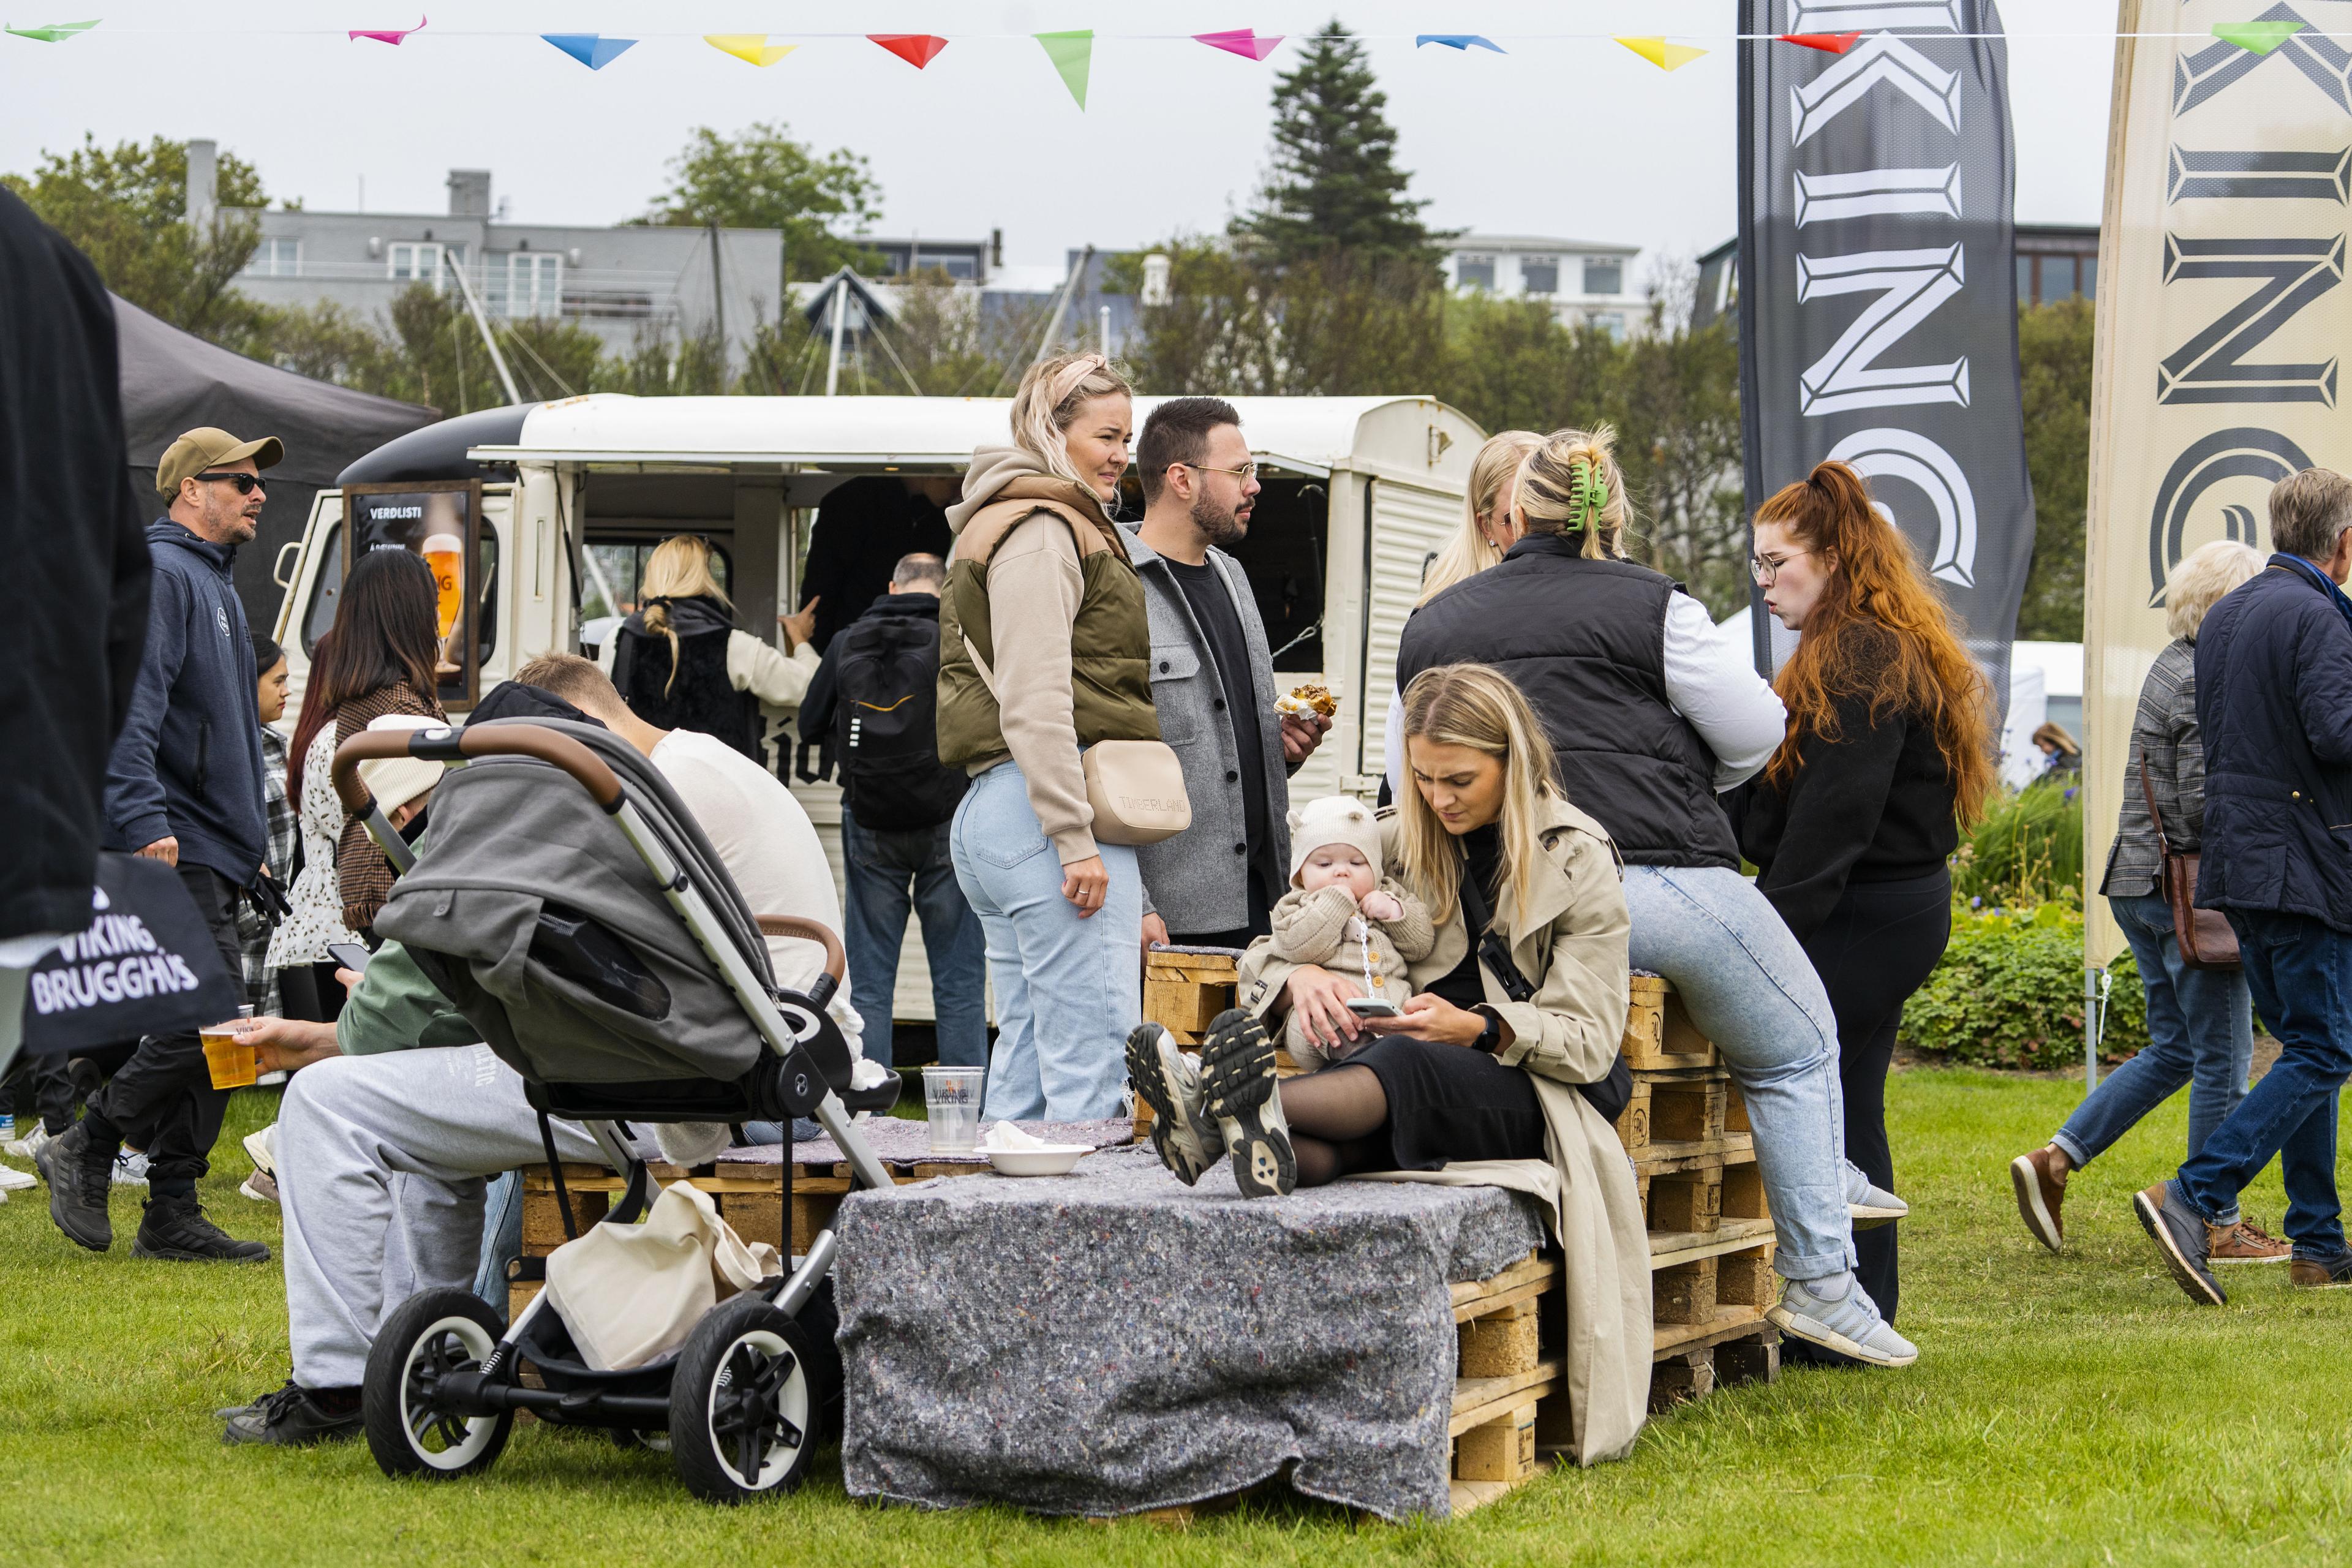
(2220, 315)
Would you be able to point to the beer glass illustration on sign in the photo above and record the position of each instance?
(445, 552)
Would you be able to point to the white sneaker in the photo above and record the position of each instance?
(13, 1180)
(131, 1168)
(30, 1144)
(262, 1149)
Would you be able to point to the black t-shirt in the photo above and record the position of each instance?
(1213, 608)
(1463, 985)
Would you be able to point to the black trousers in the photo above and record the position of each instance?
(165, 1089)
(1877, 947)
(38, 1085)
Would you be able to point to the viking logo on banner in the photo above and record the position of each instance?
(2221, 310)
(1879, 291)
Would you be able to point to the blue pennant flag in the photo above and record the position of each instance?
(1463, 41)
(591, 50)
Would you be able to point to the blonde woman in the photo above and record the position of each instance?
(680, 663)
(1463, 1073)
(1486, 532)
(1045, 649)
(1650, 713)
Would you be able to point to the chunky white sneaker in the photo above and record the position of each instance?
(262, 1149)
(1238, 1078)
(30, 1144)
(131, 1168)
(13, 1180)
(1850, 1325)
(1187, 1140)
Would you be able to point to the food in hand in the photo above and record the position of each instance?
(1312, 697)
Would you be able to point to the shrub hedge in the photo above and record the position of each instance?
(2009, 992)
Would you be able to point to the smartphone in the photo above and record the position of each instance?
(1371, 1008)
(351, 955)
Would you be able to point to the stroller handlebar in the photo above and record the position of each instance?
(446, 744)
(836, 962)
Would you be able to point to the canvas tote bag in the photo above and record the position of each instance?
(632, 1293)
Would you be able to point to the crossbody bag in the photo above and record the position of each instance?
(2206, 937)
(1136, 787)
(1609, 1095)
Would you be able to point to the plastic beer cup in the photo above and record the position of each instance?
(951, 1101)
(232, 1063)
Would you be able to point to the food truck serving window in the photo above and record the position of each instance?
(441, 521)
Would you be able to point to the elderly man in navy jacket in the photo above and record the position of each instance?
(2275, 701)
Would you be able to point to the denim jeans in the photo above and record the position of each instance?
(2301, 974)
(1750, 988)
(501, 1237)
(878, 868)
(2201, 1032)
(1068, 990)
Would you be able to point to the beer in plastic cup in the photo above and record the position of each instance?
(232, 1063)
(445, 552)
(951, 1101)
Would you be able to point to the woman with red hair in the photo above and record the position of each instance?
(1853, 821)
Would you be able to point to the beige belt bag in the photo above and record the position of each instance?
(1136, 787)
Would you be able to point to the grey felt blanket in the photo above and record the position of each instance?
(1113, 1340)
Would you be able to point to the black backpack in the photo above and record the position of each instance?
(885, 714)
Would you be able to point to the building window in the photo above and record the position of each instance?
(534, 284)
(2057, 276)
(1475, 272)
(2090, 277)
(1539, 274)
(1608, 323)
(1604, 276)
(277, 258)
(414, 263)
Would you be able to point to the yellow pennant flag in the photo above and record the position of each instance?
(1662, 54)
(751, 48)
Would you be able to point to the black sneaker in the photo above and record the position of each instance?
(176, 1228)
(296, 1418)
(1237, 1083)
(80, 1176)
(2181, 1236)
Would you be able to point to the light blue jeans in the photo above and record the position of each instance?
(2201, 1032)
(1750, 988)
(1068, 991)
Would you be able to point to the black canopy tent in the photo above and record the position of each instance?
(174, 382)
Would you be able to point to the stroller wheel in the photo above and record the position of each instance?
(742, 1405)
(409, 1430)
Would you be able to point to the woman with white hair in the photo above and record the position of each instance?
(2200, 1021)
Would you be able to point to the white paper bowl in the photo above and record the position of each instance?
(1050, 1160)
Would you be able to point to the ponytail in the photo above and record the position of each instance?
(657, 619)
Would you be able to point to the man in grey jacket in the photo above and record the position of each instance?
(1212, 683)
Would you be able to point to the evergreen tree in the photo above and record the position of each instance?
(1335, 186)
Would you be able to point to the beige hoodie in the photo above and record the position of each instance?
(1033, 590)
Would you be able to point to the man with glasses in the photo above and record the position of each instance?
(1212, 683)
(184, 786)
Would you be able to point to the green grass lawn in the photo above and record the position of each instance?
(2072, 1409)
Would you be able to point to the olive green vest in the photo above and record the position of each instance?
(1110, 641)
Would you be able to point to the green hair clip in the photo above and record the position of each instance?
(1588, 491)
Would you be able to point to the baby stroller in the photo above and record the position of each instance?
(568, 904)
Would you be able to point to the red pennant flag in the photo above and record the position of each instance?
(1828, 43)
(917, 49)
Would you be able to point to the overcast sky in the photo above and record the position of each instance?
(1563, 136)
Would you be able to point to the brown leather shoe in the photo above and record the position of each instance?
(2246, 1242)
(2040, 1189)
(2312, 1274)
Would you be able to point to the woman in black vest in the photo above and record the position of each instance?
(1650, 714)
(681, 664)
(1889, 749)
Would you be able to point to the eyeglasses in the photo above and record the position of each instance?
(1245, 473)
(1765, 568)
(245, 483)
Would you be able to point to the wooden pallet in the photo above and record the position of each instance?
(1186, 990)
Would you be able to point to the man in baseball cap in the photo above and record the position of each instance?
(184, 786)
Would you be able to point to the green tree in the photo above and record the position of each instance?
(2053, 353)
(1335, 187)
(762, 178)
(127, 209)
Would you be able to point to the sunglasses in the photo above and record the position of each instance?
(245, 483)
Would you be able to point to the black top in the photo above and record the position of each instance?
(1482, 848)
(1874, 805)
(1212, 607)
(863, 526)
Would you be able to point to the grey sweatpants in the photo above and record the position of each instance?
(382, 1161)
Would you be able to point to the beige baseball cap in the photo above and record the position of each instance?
(206, 447)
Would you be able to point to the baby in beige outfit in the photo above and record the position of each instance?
(1342, 914)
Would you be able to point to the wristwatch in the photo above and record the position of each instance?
(1490, 1038)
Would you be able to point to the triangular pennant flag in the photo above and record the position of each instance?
(594, 50)
(1463, 41)
(1072, 55)
(1240, 41)
(751, 48)
(1828, 43)
(2259, 37)
(1662, 54)
(53, 31)
(917, 49)
(388, 35)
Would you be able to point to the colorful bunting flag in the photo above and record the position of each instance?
(1665, 55)
(917, 49)
(1073, 56)
(1828, 43)
(594, 50)
(751, 48)
(388, 35)
(53, 31)
(2257, 38)
(1241, 41)
(1463, 41)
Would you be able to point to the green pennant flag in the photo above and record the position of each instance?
(53, 31)
(1071, 53)
(2257, 38)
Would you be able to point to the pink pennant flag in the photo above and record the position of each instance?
(1242, 41)
(387, 36)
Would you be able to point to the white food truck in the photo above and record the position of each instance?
(552, 509)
